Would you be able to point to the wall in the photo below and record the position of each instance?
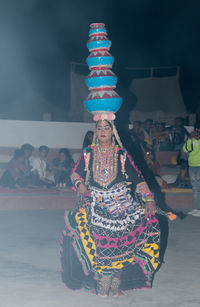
(14, 133)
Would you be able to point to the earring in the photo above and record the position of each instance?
(97, 141)
(113, 140)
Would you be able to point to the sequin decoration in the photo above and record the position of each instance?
(105, 165)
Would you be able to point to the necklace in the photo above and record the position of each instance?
(101, 149)
(105, 165)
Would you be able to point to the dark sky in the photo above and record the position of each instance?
(39, 38)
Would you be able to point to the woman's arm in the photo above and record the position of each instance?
(78, 175)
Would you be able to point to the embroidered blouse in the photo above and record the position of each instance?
(106, 169)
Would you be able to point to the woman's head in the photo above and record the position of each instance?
(27, 149)
(160, 127)
(19, 155)
(64, 154)
(88, 138)
(43, 151)
(136, 125)
(104, 131)
(89, 135)
(147, 124)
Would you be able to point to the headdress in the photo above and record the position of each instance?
(103, 102)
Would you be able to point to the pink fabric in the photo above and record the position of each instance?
(75, 167)
(133, 164)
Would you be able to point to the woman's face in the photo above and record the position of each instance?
(104, 132)
(62, 156)
(160, 128)
(43, 153)
(136, 126)
(21, 159)
(27, 153)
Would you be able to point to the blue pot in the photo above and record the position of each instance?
(101, 81)
(96, 31)
(100, 61)
(104, 105)
(99, 44)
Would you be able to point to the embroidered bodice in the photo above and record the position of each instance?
(104, 165)
(107, 169)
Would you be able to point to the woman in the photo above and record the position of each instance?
(138, 131)
(15, 174)
(154, 168)
(88, 138)
(28, 150)
(62, 167)
(112, 241)
(162, 139)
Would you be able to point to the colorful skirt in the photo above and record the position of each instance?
(110, 235)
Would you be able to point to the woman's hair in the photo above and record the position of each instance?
(43, 147)
(138, 122)
(25, 147)
(87, 141)
(66, 152)
(149, 120)
(18, 154)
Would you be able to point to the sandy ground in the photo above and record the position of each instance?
(30, 267)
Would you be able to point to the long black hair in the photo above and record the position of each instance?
(87, 141)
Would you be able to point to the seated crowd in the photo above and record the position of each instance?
(33, 171)
(158, 135)
(151, 137)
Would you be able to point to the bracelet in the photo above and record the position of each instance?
(78, 184)
(150, 199)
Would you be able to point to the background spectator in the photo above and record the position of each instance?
(138, 130)
(62, 168)
(147, 132)
(14, 176)
(154, 167)
(183, 179)
(88, 138)
(39, 169)
(192, 147)
(162, 138)
(178, 134)
(27, 149)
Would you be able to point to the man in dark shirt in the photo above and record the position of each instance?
(178, 134)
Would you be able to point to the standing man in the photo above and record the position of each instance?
(178, 134)
(192, 147)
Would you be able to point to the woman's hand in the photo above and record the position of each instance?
(82, 189)
(150, 208)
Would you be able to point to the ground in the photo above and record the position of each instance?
(30, 266)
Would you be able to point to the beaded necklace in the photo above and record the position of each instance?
(105, 165)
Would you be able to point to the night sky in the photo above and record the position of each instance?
(39, 38)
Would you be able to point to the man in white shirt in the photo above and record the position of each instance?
(39, 166)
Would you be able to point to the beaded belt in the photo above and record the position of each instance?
(115, 201)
